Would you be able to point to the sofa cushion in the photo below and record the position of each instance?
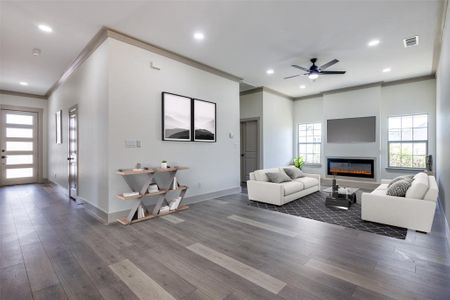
(433, 189)
(383, 186)
(260, 175)
(278, 177)
(418, 187)
(292, 187)
(308, 181)
(398, 188)
(293, 172)
(405, 177)
(379, 192)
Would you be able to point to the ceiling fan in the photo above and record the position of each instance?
(314, 71)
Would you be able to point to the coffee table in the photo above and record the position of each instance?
(342, 199)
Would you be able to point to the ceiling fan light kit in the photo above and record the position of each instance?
(314, 71)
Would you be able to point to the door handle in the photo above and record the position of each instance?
(242, 155)
(69, 158)
(3, 156)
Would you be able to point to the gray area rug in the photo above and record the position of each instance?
(313, 207)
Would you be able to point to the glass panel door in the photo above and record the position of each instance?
(18, 147)
(73, 152)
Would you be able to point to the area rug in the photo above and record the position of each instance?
(313, 207)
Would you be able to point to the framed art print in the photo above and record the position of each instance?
(176, 118)
(204, 121)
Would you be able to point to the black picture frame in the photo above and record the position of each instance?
(186, 116)
(205, 130)
(176, 118)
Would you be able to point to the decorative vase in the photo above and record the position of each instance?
(163, 165)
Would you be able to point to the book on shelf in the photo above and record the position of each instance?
(141, 212)
(164, 209)
(175, 203)
(153, 188)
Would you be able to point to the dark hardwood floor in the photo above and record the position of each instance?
(219, 249)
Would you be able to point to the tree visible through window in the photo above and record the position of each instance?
(309, 140)
(408, 141)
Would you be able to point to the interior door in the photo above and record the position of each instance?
(19, 147)
(249, 148)
(73, 153)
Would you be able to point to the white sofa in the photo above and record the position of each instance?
(414, 211)
(261, 190)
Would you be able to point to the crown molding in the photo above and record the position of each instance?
(106, 32)
(169, 54)
(265, 89)
(91, 46)
(20, 94)
(441, 20)
(369, 85)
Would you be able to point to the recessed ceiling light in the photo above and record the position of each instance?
(270, 71)
(373, 43)
(23, 83)
(385, 70)
(199, 36)
(303, 86)
(45, 28)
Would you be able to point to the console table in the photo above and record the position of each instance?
(164, 194)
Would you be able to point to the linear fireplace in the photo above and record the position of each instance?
(353, 167)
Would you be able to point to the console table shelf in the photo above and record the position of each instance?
(160, 192)
(165, 191)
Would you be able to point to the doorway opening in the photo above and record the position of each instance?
(249, 147)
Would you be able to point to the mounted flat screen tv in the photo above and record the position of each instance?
(351, 130)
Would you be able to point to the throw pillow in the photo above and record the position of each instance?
(278, 177)
(409, 178)
(293, 172)
(399, 188)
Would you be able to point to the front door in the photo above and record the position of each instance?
(249, 148)
(73, 153)
(19, 147)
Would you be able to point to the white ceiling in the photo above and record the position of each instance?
(243, 38)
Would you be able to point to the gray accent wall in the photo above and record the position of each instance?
(443, 120)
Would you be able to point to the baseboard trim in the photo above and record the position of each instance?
(90, 208)
(112, 217)
(446, 225)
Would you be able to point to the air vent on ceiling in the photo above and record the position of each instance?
(411, 41)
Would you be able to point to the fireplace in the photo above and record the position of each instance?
(352, 167)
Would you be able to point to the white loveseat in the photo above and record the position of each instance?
(414, 211)
(261, 190)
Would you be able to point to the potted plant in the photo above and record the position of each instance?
(299, 162)
(164, 164)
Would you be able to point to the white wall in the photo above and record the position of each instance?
(443, 120)
(380, 101)
(135, 113)
(408, 98)
(87, 87)
(277, 130)
(32, 103)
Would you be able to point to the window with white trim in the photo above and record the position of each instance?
(408, 141)
(309, 142)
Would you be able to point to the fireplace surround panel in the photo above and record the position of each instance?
(353, 167)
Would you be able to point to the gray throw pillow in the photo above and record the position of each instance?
(399, 188)
(409, 178)
(278, 177)
(293, 172)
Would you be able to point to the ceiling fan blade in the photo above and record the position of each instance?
(291, 76)
(331, 72)
(329, 64)
(301, 68)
